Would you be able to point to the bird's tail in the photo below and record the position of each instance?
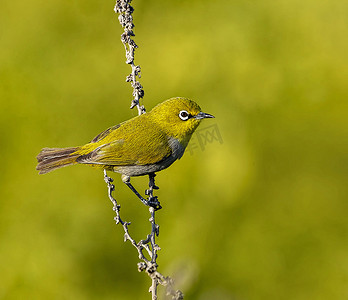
(50, 159)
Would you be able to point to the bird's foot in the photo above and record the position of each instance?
(153, 202)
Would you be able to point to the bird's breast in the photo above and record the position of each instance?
(177, 147)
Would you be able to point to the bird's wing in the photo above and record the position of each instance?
(149, 146)
(105, 133)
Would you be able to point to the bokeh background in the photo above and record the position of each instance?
(261, 215)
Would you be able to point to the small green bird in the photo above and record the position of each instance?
(140, 146)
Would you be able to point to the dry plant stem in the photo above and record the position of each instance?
(149, 244)
(125, 10)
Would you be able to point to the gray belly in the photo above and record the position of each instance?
(139, 170)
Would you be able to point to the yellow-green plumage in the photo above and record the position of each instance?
(145, 144)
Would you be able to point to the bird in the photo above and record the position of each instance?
(143, 145)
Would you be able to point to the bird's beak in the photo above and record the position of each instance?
(203, 115)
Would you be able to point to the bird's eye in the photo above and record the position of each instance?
(184, 115)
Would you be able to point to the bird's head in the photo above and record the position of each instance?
(178, 117)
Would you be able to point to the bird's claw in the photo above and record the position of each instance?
(153, 202)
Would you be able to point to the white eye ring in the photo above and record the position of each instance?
(184, 115)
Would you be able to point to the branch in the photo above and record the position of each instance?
(125, 10)
(149, 244)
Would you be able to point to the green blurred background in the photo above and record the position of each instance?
(261, 216)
